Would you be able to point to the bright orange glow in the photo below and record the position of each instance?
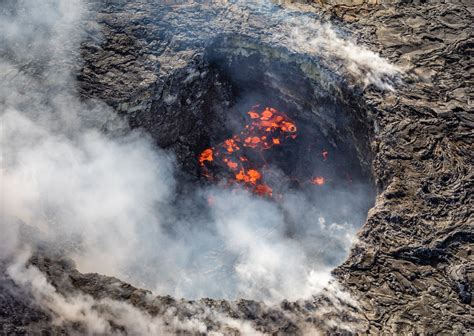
(236, 164)
(263, 131)
(253, 176)
(263, 190)
(318, 180)
(206, 155)
(232, 165)
(230, 145)
(267, 114)
(253, 115)
(270, 124)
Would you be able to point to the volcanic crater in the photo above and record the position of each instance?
(194, 76)
(209, 101)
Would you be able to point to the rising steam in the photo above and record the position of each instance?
(73, 171)
(366, 67)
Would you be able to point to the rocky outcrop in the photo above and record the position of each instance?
(420, 229)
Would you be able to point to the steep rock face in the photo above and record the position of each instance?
(412, 271)
(414, 268)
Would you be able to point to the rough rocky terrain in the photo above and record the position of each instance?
(412, 269)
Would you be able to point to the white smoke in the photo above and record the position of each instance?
(104, 196)
(79, 308)
(108, 316)
(98, 316)
(366, 67)
(82, 187)
(298, 28)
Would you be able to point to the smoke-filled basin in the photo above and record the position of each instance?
(288, 116)
(281, 156)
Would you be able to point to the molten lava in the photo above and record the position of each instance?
(230, 159)
(318, 180)
(206, 155)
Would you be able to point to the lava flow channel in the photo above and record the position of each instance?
(263, 131)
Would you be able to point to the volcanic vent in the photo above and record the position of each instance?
(290, 125)
(273, 146)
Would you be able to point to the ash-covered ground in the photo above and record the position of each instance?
(107, 105)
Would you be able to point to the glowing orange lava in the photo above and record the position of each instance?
(318, 180)
(206, 155)
(263, 131)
